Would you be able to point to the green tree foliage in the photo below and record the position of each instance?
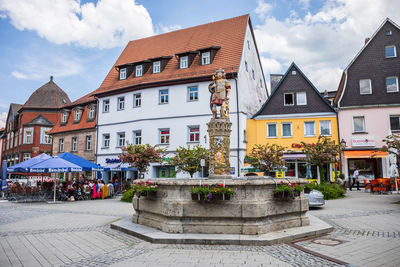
(188, 159)
(266, 157)
(321, 153)
(140, 156)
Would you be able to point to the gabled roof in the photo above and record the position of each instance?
(13, 112)
(40, 120)
(228, 34)
(88, 98)
(343, 80)
(264, 110)
(49, 96)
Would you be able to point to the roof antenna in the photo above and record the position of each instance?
(51, 78)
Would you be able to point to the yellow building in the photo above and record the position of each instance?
(294, 113)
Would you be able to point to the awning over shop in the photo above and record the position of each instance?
(365, 154)
(293, 156)
(118, 167)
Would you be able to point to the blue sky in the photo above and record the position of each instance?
(78, 41)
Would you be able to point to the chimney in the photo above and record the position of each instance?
(51, 78)
(366, 40)
(274, 80)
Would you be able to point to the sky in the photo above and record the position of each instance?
(78, 42)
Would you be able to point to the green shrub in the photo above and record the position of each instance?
(127, 196)
(331, 191)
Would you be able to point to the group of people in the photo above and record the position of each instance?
(95, 189)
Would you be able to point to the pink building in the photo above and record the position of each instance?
(368, 100)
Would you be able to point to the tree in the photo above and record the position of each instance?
(140, 156)
(392, 145)
(266, 157)
(321, 153)
(188, 159)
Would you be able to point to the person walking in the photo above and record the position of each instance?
(355, 179)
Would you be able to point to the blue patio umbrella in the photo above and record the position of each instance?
(4, 184)
(55, 165)
(84, 163)
(24, 165)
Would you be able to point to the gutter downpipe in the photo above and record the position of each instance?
(238, 127)
(97, 129)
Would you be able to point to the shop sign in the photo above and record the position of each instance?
(109, 161)
(279, 174)
(232, 170)
(363, 141)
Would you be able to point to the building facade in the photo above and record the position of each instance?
(368, 100)
(28, 125)
(157, 91)
(75, 129)
(295, 112)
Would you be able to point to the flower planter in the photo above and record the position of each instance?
(149, 195)
(286, 195)
(215, 197)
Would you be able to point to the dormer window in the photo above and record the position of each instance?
(122, 74)
(183, 62)
(156, 67)
(77, 115)
(205, 58)
(64, 117)
(139, 70)
(91, 113)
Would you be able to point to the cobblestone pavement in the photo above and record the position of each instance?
(78, 234)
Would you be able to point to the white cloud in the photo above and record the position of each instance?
(262, 8)
(34, 68)
(324, 42)
(3, 119)
(106, 24)
(163, 29)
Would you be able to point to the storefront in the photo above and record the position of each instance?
(371, 164)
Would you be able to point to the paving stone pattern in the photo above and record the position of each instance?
(78, 234)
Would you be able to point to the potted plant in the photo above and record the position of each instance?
(144, 188)
(209, 193)
(287, 190)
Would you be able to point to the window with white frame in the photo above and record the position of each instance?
(121, 103)
(91, 112)
(137, 100)
(74, 144)
(64, 117)
(61, 145)
(272, 131)
(20, 136)
(26, 156)
(106, 106)
(45, 138)
(193, 93)
(121, 139)
(359, 124)
(88, 142)
(184, 62)
(194, 133)
(392, 84)
(156, 66)
(395, 122)
(301, 98)
(388, 32)
(286, 129)
(137, 137)
(12, 139)
(28, 135)
(390, 51)
(122, 74)
(309, 128)
(164, 136)
(288, 99)
(77, 115)
(106, 140)
(163, 98)
(139, 71)
(365, 87)
(205, 58)
(325, 128)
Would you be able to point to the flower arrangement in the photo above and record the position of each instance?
(288, 190)
(209, 193)
(144, 188)
(308, 187)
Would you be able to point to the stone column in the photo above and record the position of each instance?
(219, 131)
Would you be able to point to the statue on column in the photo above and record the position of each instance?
(219, 89)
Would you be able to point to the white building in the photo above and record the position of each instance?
(157, 91)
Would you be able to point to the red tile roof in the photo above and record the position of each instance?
(229, 34)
